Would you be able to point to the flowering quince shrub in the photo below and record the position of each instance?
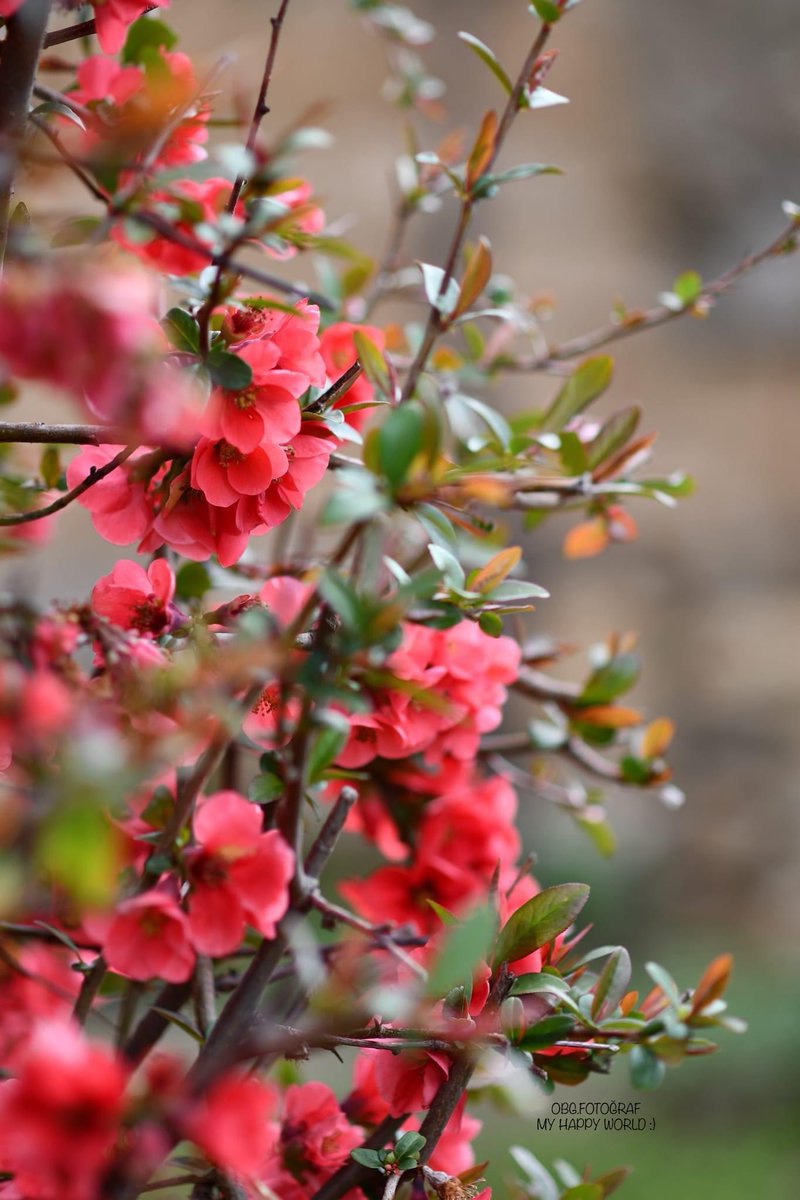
(183, 746)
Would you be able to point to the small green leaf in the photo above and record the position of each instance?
(688, 287)
(75, 231)
(546, 1031)
(78, 849)
(465, 945)
(181, 330)
(266, 788)
(327, 745)
(409, 1145)
(647, 1071)
(180, 1022)
(367, 1158)
(373, 364)
(615, 433)
(491, 624)
(635, 770)
(612, 984)
(584, 1191)
(452, 571)
(662, 978)
(400, 440)
(539, 920)
(192, 581)
(613, 679)
(488, 56)
(229, 371)
(587, 382)
(50, 466)
(547, 10)
(144, 34)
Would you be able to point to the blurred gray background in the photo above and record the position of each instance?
(679, 144)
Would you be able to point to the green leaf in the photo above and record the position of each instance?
(180, 1022)
(547, 10)
(229, 371)
(614, 434)
(148, 33)
(452, 571)
(78, 850)
(181, 330)
(612, 984)
(521, 171)
(688, 286)
(540, 981)
(596, 825)
(647, 1071)
(367, 1158)
(546, 1031)
(613, 679)
(488, 56)
(409, 1145)
(75, 231)
(444, 914)
(192, 581)
(465, 945)
(343, 599)
(327, 745)
(662, 978)
(50, 466)
(572, 453)
(373, 364)
(583, 1191)
(400, 440)
(539, 920)
(491, 624)
(587, 382)
(635, 770)
(266, 788)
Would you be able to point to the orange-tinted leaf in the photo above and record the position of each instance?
(713, 982)
(476, 276)
(473, 1174)
(657, 737)
(446, 359)
(633, 455)
(587, 539)
(483, 150)
(495, 570)
(621, 525)
(487, 491)
(609, 716)
(628, 1003)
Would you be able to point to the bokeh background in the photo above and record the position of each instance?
(678, 146)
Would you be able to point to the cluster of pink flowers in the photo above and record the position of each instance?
(236, 875)
(253, 464)
(130, 106)
(451, 690)
(105, 313)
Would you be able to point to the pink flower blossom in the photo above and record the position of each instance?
(44, 988)
(239, 875)
(132, 104)
(232, 1124)
(113, 18)
(339, 351)
(316, 1137)
(137, 599)
(60, 1116)
(410, 1080)
(224, 474)
(148, 938)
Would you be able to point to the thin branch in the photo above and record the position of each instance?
(73, 33)
(171, 998)
(660, 314)
(19, 56)
(94, 476)
(328, 835)
(261, 109)
(436, 323)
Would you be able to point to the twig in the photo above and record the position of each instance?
(328, 835)
(89, 989)
(171, 998)
(660, 314)
(73, 33)
(19, 55)
(261, 109)
(383, 935)
(435, 323)
(94, 476)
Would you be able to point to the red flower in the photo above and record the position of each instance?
(239, 875)
(148, 938)
(60, 1116)
(232, 1125)
(316, 1136)
(339, 351)
(137, 599)
(114, 16)
(410, 1080)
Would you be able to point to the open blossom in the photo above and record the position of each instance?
(224, 474)
(114, 16)
(44, 988)
(459, 679)
(232, 1124)
(132, 104)
(239, 875)
(315, 1140)
(137, 599)
(60, 1115)
(339, 351)
(148, 938)
(93, 331)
